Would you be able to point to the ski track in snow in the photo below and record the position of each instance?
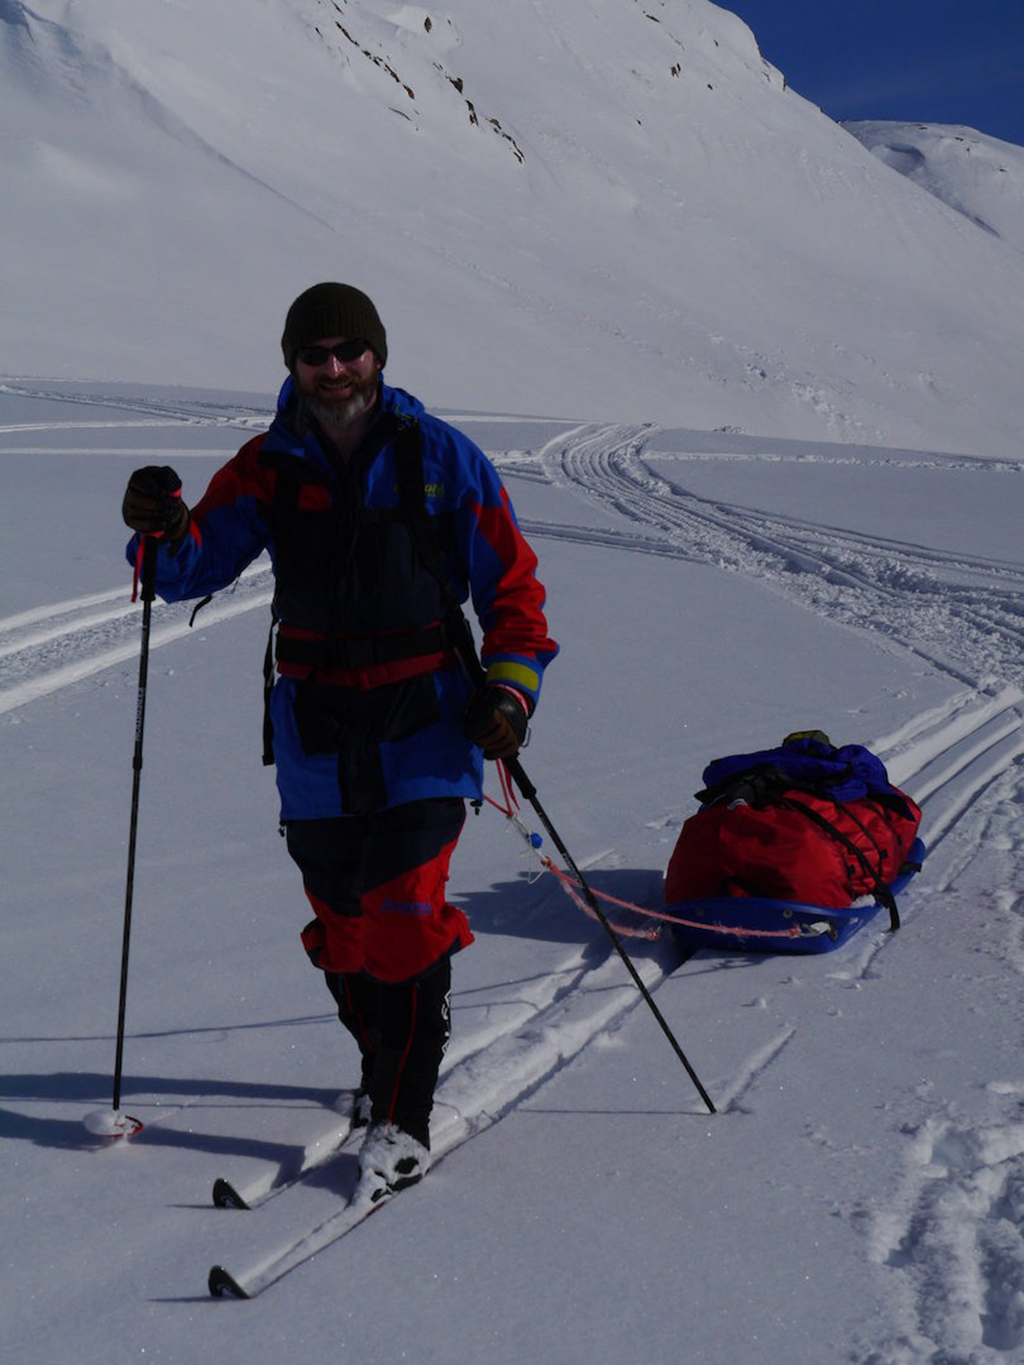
(963, 616)
(493, 1074)
(951, 757)
(950, 1236)
(54, 647)
(134, 409)
(532, 1035)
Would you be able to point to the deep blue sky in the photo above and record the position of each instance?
(936, 61)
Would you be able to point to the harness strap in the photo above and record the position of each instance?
(268, 687)
(337, 652)
(286, 501)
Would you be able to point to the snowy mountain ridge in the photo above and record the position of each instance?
(411, 49)
(981, 177)
(614, 208)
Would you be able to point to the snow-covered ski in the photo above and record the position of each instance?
(369, 1196)
(226, 1194)
(474, 1093)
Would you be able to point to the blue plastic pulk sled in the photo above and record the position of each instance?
(757, 924)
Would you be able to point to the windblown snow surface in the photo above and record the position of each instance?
(843, 552)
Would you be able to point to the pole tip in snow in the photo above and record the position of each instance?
(112, 1123)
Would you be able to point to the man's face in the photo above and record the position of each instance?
(338, 390)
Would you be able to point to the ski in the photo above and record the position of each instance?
(369, 1196)
(473, 1094)
(227, 1195)
(224, 1285)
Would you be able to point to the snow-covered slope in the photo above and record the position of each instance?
(859, 1195)
(979, 176)
(612, 208)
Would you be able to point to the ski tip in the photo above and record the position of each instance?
(225, 1196)
(112, 1123)
(222, 1284)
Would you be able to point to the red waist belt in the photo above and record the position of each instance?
(363, 660)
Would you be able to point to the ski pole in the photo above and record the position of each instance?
(116, 1124)
(465, 649)
(529, 791)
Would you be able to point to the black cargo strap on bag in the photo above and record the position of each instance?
(768, 785)
(882, 892)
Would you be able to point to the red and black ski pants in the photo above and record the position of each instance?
(383, 935)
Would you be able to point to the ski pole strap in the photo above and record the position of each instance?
(507, 791)
(145, 568)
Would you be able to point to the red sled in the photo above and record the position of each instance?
(766, 866)
(764, 924)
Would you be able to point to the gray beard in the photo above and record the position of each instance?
(330, 416)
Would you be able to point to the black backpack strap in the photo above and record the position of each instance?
(408, 448)
(268, 687)
(286, 500)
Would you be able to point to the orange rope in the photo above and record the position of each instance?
(572, 889)
(571, 885)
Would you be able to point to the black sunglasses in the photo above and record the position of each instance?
(345, 351)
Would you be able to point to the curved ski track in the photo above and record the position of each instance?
(197, 411)
(955, 1219)
(51, 648)
(964, 616)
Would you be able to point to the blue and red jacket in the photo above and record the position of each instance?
(368, 695)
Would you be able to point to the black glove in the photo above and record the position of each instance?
(496, 719)
(152, 503)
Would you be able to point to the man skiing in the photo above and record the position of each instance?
(379, 519)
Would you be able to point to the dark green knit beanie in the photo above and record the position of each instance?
(332, 310)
